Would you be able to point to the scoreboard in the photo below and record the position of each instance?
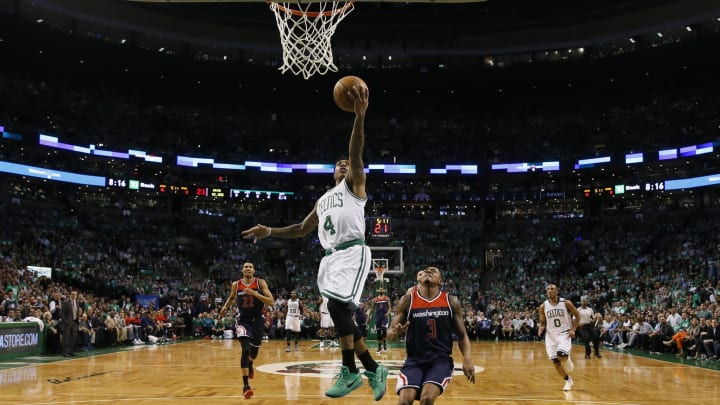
(380, 227)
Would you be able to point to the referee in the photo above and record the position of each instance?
(588, 328)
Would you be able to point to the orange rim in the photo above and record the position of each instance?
(311, 14)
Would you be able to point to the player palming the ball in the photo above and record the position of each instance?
(339, 217)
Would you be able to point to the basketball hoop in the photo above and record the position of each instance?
(379, 273)
(379, 266)
(305, 35)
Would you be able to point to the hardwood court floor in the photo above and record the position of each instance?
(207, 372)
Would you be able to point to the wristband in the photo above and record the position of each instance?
(269, 232)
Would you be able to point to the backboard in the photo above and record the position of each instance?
(306, 28)
(391, 256)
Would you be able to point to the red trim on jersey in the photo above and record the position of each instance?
(419, 302)
(254, 284)
(402, 378)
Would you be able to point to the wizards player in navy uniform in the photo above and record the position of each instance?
(429, 316)
(251, 294)
(381, 306)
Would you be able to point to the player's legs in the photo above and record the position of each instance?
(438, 375)
(352, 344)
(245, 366)
(341, 278)
(328, 330)
(293, 332)
(349, 378)
(595, 336)
(381, 338)
(409, 383)
(245, 356)
(255, 342)
(429, 393)
(288, 336)
(585, 336)
(407, 395)
(342, 318)
(321, 334)
(564, 347)
(558, 350)
(551, 348)
(559, 368)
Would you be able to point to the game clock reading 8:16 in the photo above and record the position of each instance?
(380, 227)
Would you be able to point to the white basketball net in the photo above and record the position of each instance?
(380, 266)
(305, 35)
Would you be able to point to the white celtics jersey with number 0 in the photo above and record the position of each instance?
(341, 215)
(557, 318)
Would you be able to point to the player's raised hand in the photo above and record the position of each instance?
(257, 232)
(397, 330)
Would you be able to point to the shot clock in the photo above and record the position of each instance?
(380, 227)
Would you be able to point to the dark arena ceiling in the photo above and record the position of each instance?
(442, 31)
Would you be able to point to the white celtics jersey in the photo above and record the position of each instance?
(323, 306)
(557, 318)
(341, 215)
(293, 307)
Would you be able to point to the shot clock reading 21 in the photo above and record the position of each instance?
(380, 227)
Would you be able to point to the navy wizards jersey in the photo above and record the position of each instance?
(382, 306)
(250, 307)
(429, 335)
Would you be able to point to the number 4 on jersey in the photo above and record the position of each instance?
(328, 225)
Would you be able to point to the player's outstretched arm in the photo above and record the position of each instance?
(356, 174)
(463, 339)
(308, 224)
(399, 323)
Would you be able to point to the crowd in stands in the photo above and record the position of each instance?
(651, 274)
(638, 273)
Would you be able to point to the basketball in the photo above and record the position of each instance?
(340, 92)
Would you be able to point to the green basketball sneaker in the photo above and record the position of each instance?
(346, 383)
(378, 381)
